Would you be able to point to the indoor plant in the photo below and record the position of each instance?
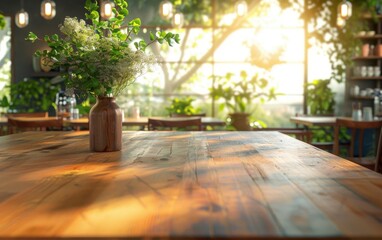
(30, 95)
(98, 59)
(182, 106)
(240, 94)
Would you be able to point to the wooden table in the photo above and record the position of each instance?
(142, 122)
(314, 121)
(183, 185)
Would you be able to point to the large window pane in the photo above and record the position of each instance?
(5, 59)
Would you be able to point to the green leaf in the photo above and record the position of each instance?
(94, 15)
(31, 37)
(152, 36)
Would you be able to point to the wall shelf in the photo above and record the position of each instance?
(365, 78)
(373, 37)
(367, 58)
(362, 97)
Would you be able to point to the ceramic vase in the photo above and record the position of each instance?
(105, 125)
(240, 121)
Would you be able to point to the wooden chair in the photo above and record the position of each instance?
(175, 124)
(187, 115)
(326, 146)
(31, 115)
(21, 124)
(360, 127)
(12, 128)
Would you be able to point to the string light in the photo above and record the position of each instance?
(241, 8)
(48, 9)
(345, 10)
(22, 17)
(178, 20)
(107, 9)
(165, 9)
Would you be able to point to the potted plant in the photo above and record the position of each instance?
(99, 60)
(182, 106)
(320, 97)
(320, 101)
(239, 94)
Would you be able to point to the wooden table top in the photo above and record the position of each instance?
(183, 184)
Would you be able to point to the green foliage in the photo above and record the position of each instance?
(97, 56)
(321, 16)
(2, 21)
(321, 102)
(85, 106)
(182, 106)
(240, 94)
(320, 97)
(31, 95)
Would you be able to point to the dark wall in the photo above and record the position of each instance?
(22, 50)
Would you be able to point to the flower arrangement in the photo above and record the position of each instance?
(99, 58)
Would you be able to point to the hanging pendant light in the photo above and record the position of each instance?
(241, 8)
(177, 20)
(165, 9)
(107, 9)
(22, 17)
(345, 9)
(48, 9)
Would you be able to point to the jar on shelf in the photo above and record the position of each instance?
(365, 50)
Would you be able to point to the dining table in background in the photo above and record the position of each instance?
(184, 185)
(141, 122)
(310, 121)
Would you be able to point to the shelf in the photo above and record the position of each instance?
(362, 97)
(373, 37)
(370, 16)
(366, 78)
(368, 58)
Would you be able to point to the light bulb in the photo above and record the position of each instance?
(165, 9)
(22, 18)
(241, 8)
(177, 20)
(107, 9)
(48, 9)
(345, 9)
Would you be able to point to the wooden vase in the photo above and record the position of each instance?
(105, 125)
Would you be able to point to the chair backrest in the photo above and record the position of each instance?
(20, 124)
(355, 126)
(187, 115)
(31, 115)
(175, 124)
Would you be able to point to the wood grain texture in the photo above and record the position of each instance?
(105, 125)
(231, 185)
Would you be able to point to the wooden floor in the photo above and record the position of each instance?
(229, 185)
